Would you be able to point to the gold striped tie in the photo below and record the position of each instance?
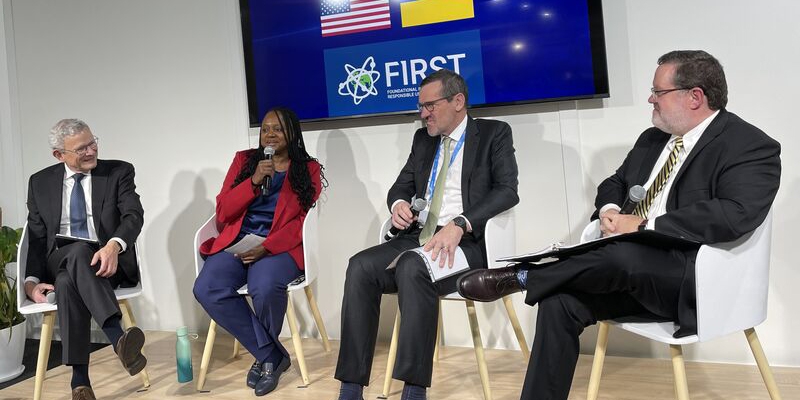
(438, 193)
(661, 179)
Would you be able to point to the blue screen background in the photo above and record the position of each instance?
(552, 59)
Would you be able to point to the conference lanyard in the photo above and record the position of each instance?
(435, 170)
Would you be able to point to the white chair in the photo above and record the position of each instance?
(500, 239)
(27, 307)
(732, 280)
(311, 257)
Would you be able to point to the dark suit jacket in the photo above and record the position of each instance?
(488, 175)
(116, 210)
(286, 233)
(724, 190)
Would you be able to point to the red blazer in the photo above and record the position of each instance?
(286, 234)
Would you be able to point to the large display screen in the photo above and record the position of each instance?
(346, 58)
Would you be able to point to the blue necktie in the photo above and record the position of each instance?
(77, 209)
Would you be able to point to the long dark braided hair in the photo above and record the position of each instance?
(298, 169)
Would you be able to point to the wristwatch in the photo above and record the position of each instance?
(460, 222)
(642, 225)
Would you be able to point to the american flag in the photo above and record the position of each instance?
(341, 17)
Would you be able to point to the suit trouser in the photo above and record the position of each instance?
(417, 297)
(616, 280)
(81, 295)
(259, 328)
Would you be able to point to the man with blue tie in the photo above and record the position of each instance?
(93, 199)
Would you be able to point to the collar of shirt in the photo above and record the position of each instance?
(68, 173)
(456, 134)
(693, 136)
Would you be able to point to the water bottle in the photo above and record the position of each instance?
(183, 355)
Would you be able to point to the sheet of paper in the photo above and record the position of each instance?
(459, 263)
(247, 243)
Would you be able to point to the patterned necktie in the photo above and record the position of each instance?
(438, 192)
(661, 179)
(77, 209)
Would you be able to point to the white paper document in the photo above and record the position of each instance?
(248, 242)
(459, 263)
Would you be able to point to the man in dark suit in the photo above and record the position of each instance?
(710, 177)
(94, 199)
(471, 165)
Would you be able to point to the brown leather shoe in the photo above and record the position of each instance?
(488, 284)
(129, 350)
(83, 393)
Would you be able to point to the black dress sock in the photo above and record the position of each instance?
(113, 330)
(80, 375)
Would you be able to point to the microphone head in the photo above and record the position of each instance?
(269, 152)
(419, 205)
(637, 193)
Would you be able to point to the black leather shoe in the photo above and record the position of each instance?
(268, 380)
(254, 374)
(129, 350)
(488, 284)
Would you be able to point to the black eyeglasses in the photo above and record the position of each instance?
(81, 151)
(657, 93)
(431, 105)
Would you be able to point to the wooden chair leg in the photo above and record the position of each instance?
(387, 381)
(209, 347)
(512, 316)
(236, 348)
(681, 385)
(763, 364)
(44, 353)
(128, 321)
(599, 359)
(298, 345)
(478, 344)
(439, 326)
(317, 318)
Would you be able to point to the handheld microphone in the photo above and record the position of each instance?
(268, 153)
(417, 206)
(635, 195)
(50, 295)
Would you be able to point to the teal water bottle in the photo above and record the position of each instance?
(183, 355)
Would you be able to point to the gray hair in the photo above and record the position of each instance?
(64, 128)
(696, 68)
(452, 83)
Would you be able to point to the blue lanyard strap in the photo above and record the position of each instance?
(435, 169)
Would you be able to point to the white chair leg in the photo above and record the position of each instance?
(597, 362)
(478, 344)
(763, 364)
(512, 316)
(387, 381)
(44, 353)
(298, 345)
(128, 320)
(209, 347)
(681, 385)
(317, 318)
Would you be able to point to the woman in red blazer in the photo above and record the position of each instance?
(268, 198)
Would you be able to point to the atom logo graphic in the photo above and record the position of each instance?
(360, 82)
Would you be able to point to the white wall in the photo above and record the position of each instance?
(161, 84)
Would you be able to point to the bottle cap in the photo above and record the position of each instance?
(182, 331)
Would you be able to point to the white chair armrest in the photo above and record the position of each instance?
(591, 231)
(22, 265)
(207, 231)
(500, 236)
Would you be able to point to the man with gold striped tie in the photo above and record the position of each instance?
(710, 177)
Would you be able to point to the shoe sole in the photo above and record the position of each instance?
(130, 348)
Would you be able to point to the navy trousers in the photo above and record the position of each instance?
(257, 328)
